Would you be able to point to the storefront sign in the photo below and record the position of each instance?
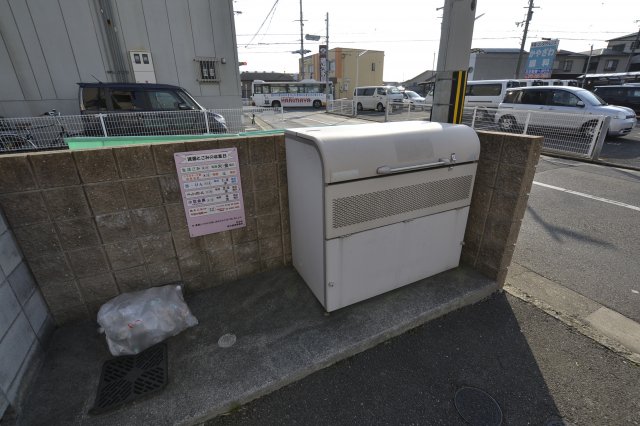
(541, 57)
(211, 191)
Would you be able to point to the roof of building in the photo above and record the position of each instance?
(631, 36)
(604, 52)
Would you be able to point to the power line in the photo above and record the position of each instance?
(265, 20)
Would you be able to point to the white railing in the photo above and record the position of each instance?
(574, 135)
(341, 107)
(50, 132)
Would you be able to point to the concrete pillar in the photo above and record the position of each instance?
(453, 60)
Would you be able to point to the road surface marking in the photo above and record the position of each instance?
(593, 197)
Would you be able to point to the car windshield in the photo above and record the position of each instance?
(412, 95)
(393, 90)
(591, 98)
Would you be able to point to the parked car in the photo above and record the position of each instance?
(487, 93)
(416, 101)
(136, 99)
(376, 97)
(627, 95)
(561, 99)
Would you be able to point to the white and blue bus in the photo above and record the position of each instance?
(305, 93)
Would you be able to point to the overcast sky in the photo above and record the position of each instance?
(408, 31)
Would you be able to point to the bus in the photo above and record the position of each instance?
(304, 93)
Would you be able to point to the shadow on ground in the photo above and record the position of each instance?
(537, 369)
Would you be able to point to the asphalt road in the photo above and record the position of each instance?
(584, 241)
(585, 244)
(537, 370)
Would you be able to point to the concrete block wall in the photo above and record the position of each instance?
(501, 191)
(96, 223)
(25, 322)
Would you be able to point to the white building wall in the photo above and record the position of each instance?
(47, 46)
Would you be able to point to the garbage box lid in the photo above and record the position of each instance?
(357, 151)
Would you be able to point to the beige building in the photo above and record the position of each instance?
(344, 63)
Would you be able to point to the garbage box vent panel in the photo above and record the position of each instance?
(381, 204)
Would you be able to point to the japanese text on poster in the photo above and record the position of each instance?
(211, 190)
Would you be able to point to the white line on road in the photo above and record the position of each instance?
(593, 197)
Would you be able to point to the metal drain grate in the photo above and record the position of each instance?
(127, 378)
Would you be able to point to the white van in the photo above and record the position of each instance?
(487, 93)
(376, 97)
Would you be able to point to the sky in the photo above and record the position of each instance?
(408, 31)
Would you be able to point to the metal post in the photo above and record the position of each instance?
(104, 128)
(473, 119)
(206, 120)
(599, 137)
(586, 70)
(386, 111)
(526, 124)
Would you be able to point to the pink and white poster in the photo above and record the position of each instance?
(211, 190)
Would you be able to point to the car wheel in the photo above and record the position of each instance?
(276, 104)
(317, 104)
(589, 129)
(359, 106)
(508, 123)
(380, 107)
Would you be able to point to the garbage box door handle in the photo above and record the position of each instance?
(386, 170)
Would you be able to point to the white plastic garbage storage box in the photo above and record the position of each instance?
(377, 206)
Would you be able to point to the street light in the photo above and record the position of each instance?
(355, 105)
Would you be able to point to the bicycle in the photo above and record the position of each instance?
(19, 135)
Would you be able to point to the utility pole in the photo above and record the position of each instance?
(586, 69)
(634, 47)
(301, 44)
(328, 70)
(524, 36)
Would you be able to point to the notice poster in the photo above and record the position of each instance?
(211, 191)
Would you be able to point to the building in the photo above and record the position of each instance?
(629, 46)
(348, 68)
(46, 50)
(606, 60)
(569, 65)
(421, 83)
(494, 63)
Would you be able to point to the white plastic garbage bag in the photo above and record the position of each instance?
(136, 321)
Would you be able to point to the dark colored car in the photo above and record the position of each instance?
(137, 101)
(624, 95)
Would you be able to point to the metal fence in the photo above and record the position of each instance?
(574, 135)
(341, 107)
(393, 111)
(50, 132)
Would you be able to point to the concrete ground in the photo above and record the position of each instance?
(283, 335)
(537, 369)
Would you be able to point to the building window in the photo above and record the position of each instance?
(635, 45)
(618, 47)
(611, 65)
(567, 65)
(207, 69)
(373, 66)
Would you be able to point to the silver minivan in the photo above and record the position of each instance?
(376, 97)
(561, 100)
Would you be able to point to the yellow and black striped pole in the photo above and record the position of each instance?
(456, 103)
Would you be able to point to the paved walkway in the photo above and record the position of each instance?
(537, 369)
